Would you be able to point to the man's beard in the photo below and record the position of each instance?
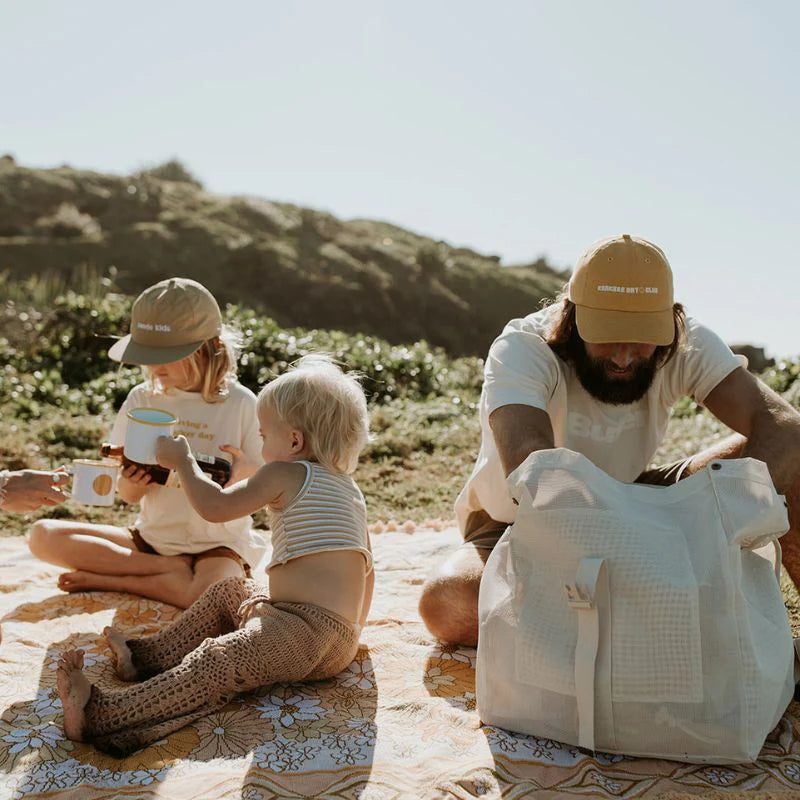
(596, 377)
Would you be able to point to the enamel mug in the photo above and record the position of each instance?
(94, 481)
(145, 425)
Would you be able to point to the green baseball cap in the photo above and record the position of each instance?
(169, 321)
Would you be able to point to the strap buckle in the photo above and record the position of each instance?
(578, 596)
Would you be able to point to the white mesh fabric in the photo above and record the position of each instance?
(560, 488)
(694, 636)
(749, 512)
(654, 605)
(655, 615)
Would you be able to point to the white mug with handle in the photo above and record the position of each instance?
(94, 481)
(145, 425)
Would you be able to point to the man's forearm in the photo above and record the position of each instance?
(518, 431)
(775, 439)
(769, 424)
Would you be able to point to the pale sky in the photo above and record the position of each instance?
(516, 128)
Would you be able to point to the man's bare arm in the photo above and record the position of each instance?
(770, 424)
(518, 431)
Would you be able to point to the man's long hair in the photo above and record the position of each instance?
(566, 343)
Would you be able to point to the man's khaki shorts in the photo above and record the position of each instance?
(484, 532)
(215, 552)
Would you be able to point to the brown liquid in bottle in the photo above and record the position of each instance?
(218, 469)
(158, 474)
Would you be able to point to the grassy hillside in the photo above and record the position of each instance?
(301, 267)
(59, 392)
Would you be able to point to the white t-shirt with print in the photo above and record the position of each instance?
(166, 519)
(620, 439)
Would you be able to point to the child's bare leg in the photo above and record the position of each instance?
(179, 587)
(212, 615)
(74, 691)
(167, 587)
(104, 549)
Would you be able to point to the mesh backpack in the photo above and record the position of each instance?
(637, 619)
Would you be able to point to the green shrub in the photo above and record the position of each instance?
(685, 407)
(389, 371)
(68, 366)
(67, 222)
(432, 260)
(782, 375)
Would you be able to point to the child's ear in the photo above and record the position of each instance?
(298, 441)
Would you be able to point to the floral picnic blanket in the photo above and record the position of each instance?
(399, 723)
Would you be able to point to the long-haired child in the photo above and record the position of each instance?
(170, 553)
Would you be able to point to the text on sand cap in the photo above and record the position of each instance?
(169, 321)
(622, 290)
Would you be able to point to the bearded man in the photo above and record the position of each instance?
(597, 372)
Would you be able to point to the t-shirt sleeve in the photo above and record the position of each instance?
(520, 369)
(251, 441)
(117, 435)
(705, 362)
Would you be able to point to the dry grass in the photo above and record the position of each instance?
(420, 458)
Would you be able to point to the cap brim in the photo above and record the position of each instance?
(601, 326)
(129, 352)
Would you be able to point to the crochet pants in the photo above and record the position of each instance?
(204, 658)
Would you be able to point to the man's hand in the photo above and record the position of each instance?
(170, 453)
(29, 489)
(770, 425)
(242, 467)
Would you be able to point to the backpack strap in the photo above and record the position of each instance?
(589, 591)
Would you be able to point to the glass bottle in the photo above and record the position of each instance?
(218, 469)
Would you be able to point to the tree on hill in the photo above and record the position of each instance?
(172, 170)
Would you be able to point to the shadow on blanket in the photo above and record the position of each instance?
(335, 715)
(420, 737)
(517, 758)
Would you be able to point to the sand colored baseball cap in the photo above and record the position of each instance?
(622, 290)
(169, 321)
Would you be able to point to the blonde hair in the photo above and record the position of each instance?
(326, 405)
(211, 368)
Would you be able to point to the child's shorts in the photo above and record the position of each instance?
(215, 552)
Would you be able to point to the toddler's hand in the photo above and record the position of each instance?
(241, 466)
(171, 452)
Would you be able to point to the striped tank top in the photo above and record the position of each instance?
(328, 513)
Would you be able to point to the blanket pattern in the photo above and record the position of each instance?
(399, 722)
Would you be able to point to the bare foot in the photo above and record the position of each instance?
(123, 662)
(78, 581)
(81, 580)
(74, 691)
